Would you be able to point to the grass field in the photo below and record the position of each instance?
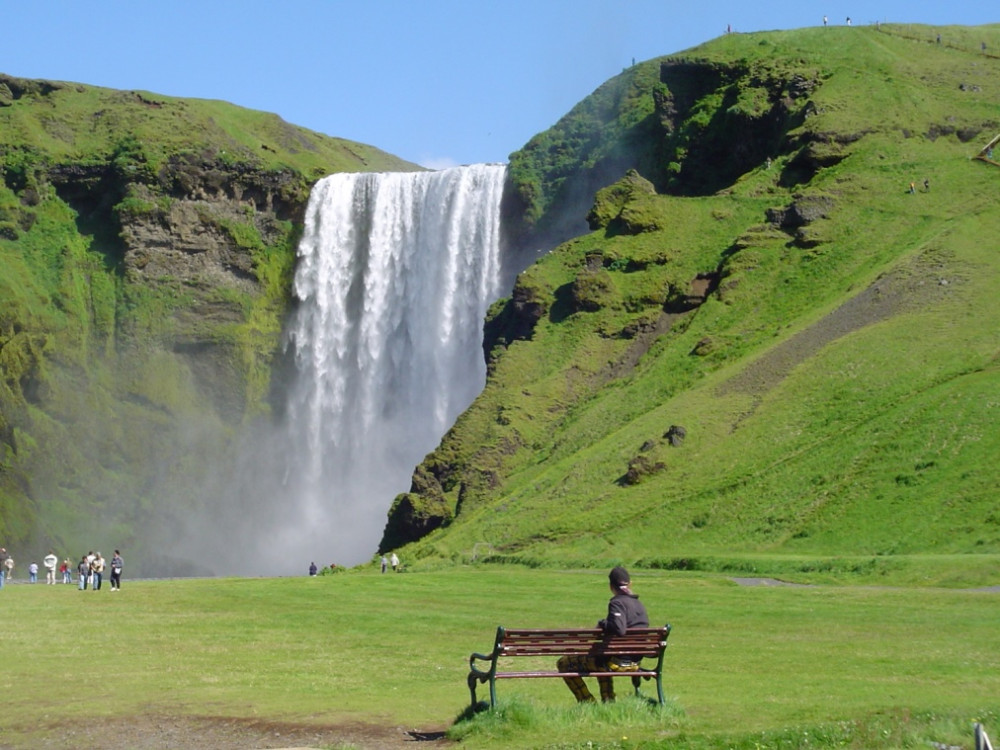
(747, 666)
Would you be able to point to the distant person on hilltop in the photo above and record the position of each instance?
(313, 570)
(394, 561)
(624, 611)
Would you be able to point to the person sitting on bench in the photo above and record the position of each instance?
(624, 611)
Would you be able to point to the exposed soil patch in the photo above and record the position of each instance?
(922, 282)
(644, 338)
(214, 733)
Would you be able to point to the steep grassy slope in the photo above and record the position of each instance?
(146, 250)
(767, 282)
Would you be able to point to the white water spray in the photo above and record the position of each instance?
(395, 274)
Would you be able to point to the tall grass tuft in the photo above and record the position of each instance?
(516, 716)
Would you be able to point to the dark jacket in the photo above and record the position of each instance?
(624, 611)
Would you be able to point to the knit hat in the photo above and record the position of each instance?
(619, 577)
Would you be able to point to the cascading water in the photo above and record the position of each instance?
(395, 274)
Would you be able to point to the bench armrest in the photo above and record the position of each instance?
(482, 657)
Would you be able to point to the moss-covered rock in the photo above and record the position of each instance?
(592, 290)
(610, 201)
(514, 319)
(412, 517)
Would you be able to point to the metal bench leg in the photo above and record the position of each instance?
(659, 689)
(473, 679)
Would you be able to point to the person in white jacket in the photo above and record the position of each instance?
(50, 563)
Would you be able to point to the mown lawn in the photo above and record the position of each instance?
(745, 664)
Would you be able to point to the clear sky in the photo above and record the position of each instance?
(437, 82)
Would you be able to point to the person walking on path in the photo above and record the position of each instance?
(3, 565)
(385, 563)
(394, 561)
(66, 570)
(32, 572)
(50, 563)
(116, 571)
(625, 611)
(97, 568)
(83, 569)
(8, 567)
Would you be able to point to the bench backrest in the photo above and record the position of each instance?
(636, 642)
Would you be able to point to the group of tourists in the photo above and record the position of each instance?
(394, 561)
(90, 570)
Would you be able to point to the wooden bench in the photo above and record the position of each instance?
(638, 642)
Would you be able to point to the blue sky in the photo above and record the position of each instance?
(438, 82)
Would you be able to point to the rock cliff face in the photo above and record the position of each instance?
(199, 240)
(195, 268)
(207, 240)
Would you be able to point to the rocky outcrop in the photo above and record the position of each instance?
(611, 201)
(416, 513)
(803, 210)
(516, 317)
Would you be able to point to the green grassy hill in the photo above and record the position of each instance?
(765, 280)
(146, 252)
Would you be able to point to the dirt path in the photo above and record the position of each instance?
(196, 733)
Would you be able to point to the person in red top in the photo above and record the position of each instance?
(624, 611)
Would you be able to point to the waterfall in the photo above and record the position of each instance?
(395, 273)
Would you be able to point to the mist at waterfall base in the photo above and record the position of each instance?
(394, 275)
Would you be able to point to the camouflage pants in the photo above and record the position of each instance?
(593, 664)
